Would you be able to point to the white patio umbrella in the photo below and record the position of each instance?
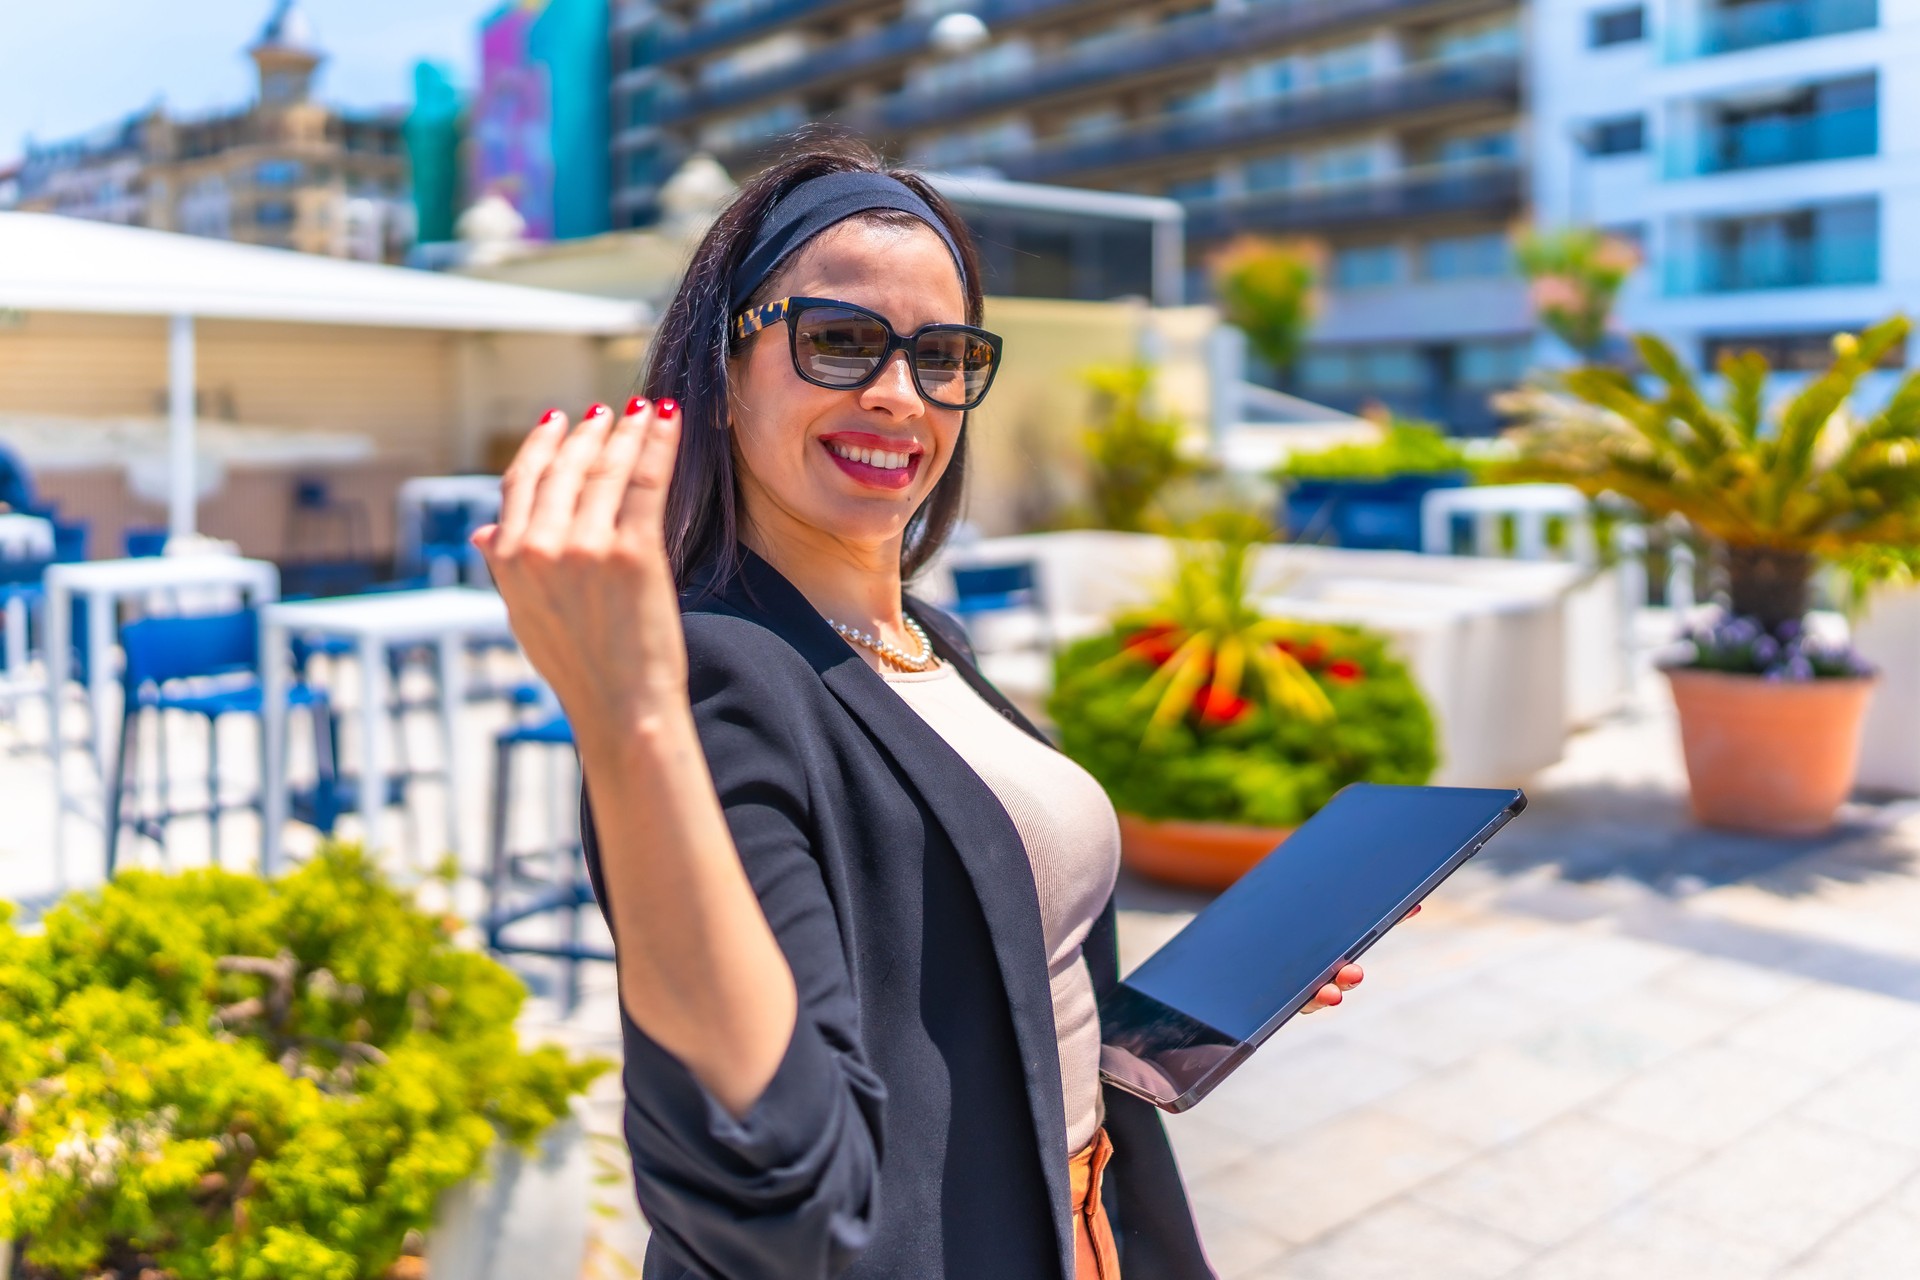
(58, 264)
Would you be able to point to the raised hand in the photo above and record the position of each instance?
(579, 555)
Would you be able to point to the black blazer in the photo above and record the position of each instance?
(915, 1127)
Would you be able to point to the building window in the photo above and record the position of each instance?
(1364, 369)
(1270, 173)
(1493, 364)
(1617, 26)
(1089, 126)
(1343, 65)
(274, 213)
(1193, 102)
(1338, 165)
(1367, 266)
(1836, 244)
(1484, 38)
(1476, 148)
(1806, 352)
(1619, 136)
(277, 173)
(1273, 79)
(1202, 188)
(1475, 257)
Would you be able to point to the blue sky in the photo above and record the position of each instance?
(69, 65)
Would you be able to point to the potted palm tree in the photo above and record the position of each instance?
(1218, 729)
(1769, 716)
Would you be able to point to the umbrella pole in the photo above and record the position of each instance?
(182, 497)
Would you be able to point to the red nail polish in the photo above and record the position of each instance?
(550, 417)
(597, 410)
(636, 405)
(669, 407)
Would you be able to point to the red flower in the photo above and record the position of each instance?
(1311, 654)
(1156, 643)
(1344, 671)
(1217, 706)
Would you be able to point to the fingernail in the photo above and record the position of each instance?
(669, 407)
(597, 410)
(550, 417)
(636, 405)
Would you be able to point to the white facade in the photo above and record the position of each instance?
(1780, 157)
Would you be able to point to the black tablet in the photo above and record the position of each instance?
(1202, 1003)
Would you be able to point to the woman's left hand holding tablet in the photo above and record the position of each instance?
(1349, 977)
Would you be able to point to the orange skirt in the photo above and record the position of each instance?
(1096, 1256)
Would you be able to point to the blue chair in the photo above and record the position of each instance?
(207, 666)
(444, 530)
(528, 886)
(142, 544)
(1011, 587)
(16, 485)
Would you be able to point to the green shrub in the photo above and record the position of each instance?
(1232, 758)
(1409, 448)
(221, 1077)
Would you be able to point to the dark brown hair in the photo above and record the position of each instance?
(688, 362)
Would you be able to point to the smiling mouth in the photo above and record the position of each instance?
(879, 468)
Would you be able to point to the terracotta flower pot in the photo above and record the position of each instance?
(1199, 855)
(1769, 756)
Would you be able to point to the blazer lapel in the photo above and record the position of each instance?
(976, 823)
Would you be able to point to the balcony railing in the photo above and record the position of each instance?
(1493, 80)
(1757, 144)
(771, 15)
(1493, 189)
(1199, 41)
(1748, 26)
(1783, 264)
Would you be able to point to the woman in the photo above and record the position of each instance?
(862, 909)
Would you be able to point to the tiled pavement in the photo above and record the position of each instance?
(1615, 1046)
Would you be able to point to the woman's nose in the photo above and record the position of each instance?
(893, 390)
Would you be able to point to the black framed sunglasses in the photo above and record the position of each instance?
(842, 346)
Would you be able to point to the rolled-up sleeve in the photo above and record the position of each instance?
(790, 1189)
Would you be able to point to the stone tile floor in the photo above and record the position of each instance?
(1614, 1046)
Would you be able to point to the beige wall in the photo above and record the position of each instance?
(430, 398)
(251, 508)
(431, 402)
(1026, 455)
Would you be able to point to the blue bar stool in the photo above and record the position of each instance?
(206, 666)
(1012, 587)
(527, 886)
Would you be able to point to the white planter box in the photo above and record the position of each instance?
(527, 1216)
(1888, 636)
(1491, 643)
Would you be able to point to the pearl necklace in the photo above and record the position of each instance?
(892, 652)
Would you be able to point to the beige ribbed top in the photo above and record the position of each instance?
(1073, 841)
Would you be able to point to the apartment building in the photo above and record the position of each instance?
(1389, 131)
(1763, 153)
(284, 170)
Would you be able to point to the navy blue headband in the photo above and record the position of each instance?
(817, 204)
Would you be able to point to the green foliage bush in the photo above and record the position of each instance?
(1133, 451)
(1409, 448)
(220, 1077)
(1250, 761)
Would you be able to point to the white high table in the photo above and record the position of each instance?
(445, 617)
(103, 584)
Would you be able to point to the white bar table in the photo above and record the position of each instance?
(445, 617)
(103, 584)
(480, 493)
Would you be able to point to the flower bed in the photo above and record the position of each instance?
(1239, 755)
